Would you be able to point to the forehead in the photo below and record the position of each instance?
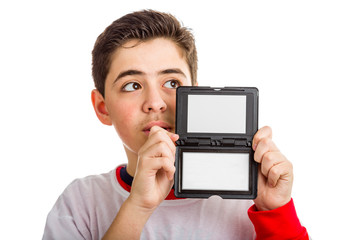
(149, 57)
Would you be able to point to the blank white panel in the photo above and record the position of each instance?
(215, 171)
(216, 114)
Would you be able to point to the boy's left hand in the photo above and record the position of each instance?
(275, 176)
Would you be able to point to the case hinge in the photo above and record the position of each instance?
(232, 142)
(226, 142)
(194, 142)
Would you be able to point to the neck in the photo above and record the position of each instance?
(132, 161)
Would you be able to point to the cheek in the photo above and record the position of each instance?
(123, 119)
(171, 104)
(127, 113)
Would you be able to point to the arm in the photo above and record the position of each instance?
(128, 223)
(152, 183)
(277, 224)
(274, 215)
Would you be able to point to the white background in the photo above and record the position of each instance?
(304, 56)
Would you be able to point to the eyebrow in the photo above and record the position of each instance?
(172, 70)
(128, 73)
(132, 72)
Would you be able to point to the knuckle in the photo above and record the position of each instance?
(290, 166)
(262, 133)
(167, 163)
(264, 170)
(163, 145)
(267, 128)
(173, 148)
(267, 141)
(268, 156)
(275, 171)
(257, 157)
(274, 174)
(162, 136)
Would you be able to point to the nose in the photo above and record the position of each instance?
(154, 102)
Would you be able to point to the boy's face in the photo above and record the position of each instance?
(140, 89)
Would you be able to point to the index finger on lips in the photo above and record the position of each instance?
(158, 134)
(264, 132)
(173, 136)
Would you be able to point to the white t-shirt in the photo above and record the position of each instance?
(87, 207)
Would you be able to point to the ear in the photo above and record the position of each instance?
(98, 102)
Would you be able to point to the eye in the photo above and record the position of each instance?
(172, 84)
(130, 87)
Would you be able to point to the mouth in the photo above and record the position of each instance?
(161, 124)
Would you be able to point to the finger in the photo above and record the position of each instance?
(174, 137)
(156, 165)
(158, 130)
(157, 135)
(157, 160)
(165, 164)
(278, 172)
(265, 145)
(160, 149)
(170, 134)
(270, 159)
(169, 175)
(264, 132)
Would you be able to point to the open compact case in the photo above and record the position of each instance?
(214, 154)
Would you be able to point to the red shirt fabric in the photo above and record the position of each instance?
(278, 224)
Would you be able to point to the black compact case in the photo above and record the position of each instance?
(214, 153)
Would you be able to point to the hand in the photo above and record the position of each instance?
(152, 183)
(275, 176)
(155, 170)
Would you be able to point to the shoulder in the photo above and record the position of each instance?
(91, 183)
(86, 207)
(82, 192)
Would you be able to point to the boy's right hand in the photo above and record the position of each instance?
(155, 170)
(152, 183)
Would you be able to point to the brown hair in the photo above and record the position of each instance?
(143, 25)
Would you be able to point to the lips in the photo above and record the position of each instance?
(161, 124)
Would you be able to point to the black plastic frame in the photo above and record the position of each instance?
(245, 140)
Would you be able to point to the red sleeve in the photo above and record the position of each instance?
(277, 224)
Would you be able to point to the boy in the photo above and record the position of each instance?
(138, 62)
